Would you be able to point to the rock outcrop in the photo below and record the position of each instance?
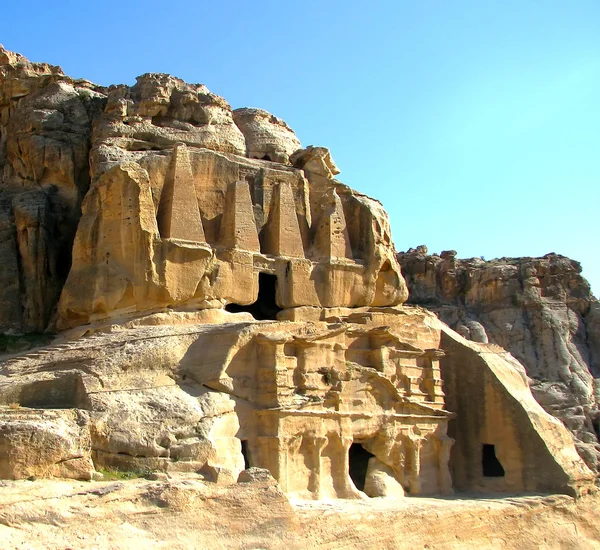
(148, 151)
(182, 511)
(180, 211)
(227, 304)
(267, 137)
(45, 132)
(539, 309)
(330, 407)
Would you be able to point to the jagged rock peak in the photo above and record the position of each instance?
(11, 58)
(267, 137)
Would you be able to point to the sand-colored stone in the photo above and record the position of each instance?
(238, 228)
(39, 443)
(260, 224)
(539, 309)
(45, 129)
(178, 213)
(184, 511)
(283, 236)
(296, 396)
(232, 322)
(267, 137)
(491, 399)
(381, 481)
(315, 160)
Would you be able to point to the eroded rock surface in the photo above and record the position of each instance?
(332, 407)
(45, 132)
(230, 305)
(267, 137)
(184, 512)
(174, 163)
(539, 309)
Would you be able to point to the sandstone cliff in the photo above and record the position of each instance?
(45, 132)
(186, 197)
(539, 309)
(224, 303)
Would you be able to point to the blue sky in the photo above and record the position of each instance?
(476, 123)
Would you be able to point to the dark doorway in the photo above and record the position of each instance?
(265, 308)
(596, 426)
(245, 454)
(489, 461)
(358, 458)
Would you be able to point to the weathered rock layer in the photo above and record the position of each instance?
(539, 309)
(244, 309)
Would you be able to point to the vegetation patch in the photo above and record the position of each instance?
(112, 474)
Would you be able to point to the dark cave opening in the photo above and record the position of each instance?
(245, 453)
(490, 463)
(358, 463)
(265, 308)
(596, 426)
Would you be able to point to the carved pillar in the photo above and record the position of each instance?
(348, 486)
(300, 379)
(432, 379)
(304, 358)
(318, 443)
(413, 450)
(283, 237)
(287, 446)
(178, 213)
(268, 455)
(379, 342)
(272, 374)
(238, 226)
(444, 444)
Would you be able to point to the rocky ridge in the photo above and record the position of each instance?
(223, 303)
(540, 309)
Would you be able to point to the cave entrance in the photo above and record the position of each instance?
(265, 308)
(490, 463)
(596, 426)
(358, 463)
(245, 454)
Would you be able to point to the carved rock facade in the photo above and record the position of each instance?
(539, 309)
(244, 306)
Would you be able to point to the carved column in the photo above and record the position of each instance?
(300, 379)
(287, 446)
(414, 471)
(349, 489)
(272, 375)
(318, 443)
(444, 445)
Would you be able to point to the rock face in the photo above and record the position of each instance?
(539, 309)
(267, 137)
(45, 131)
(330, 407)
(245, 311)
(151, 151)
(177, 213)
